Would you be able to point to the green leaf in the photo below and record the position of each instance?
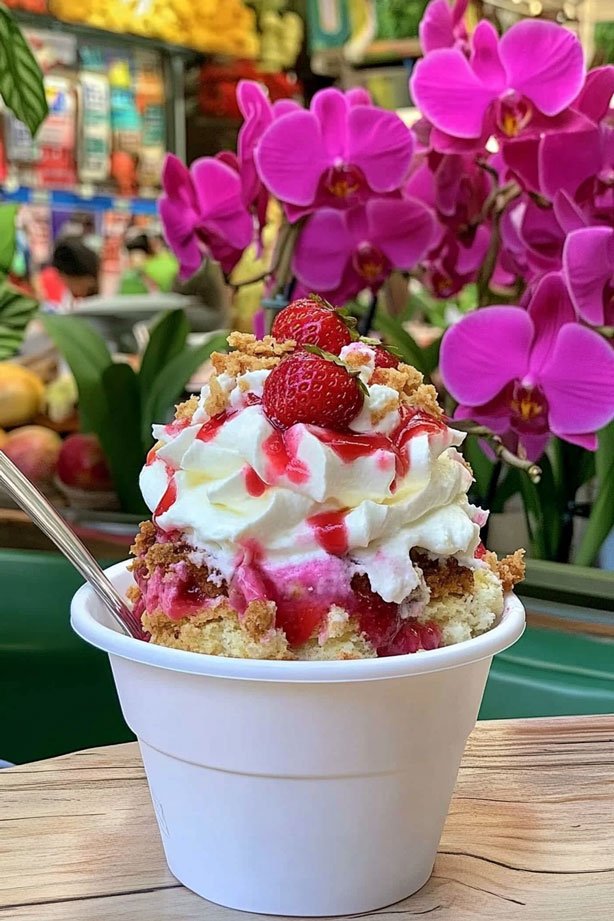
(88, 357)
(601, 520)
(170, 382)
(7, 236)
(120, 435)
(167, 338)
(534, 517)
(394, 333)
(431, 357)
(21, 79)
(508, 487)
(16, 311)
(480, 464)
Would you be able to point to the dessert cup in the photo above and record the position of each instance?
(303, 788)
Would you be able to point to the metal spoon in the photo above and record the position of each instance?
(43, 514)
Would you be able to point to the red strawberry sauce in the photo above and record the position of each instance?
(330, 531)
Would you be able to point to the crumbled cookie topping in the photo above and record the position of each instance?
(186, 410)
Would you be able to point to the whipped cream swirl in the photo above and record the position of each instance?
(310, 504)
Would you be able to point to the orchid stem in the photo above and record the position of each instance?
(366, 322)
(503, 454)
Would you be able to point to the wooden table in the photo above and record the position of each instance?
(529, 836)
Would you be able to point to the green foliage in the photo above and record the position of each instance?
(604, 42)
(399, 18)
(21, 80)
(601, 520)
(16, 311)
(119, 405)
(7, 236)
(394, 334)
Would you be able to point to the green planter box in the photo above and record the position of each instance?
(56, 692)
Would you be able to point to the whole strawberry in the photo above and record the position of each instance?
(309, 388)
(310, 322)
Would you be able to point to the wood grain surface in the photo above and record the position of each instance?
(529, 835)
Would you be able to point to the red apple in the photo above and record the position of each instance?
(82, 464)
(35, 450)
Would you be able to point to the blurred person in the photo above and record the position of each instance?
(151, 268)
(72, 274)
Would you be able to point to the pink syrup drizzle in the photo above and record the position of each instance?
(253, 483)
(330, 531)
(168, 498)
(280, 462)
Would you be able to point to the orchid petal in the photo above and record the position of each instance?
(578, 381)
(256, 110)
(421, 185)
(330, 107)
(550, 308)
(177, 182)
(542, 235)
(520, 155)
(404, 229)
(534, 445)
(358, 96)
(586, 440)
(495, 414)
(485, 351)
(567, 213)
(229, 158)
(449, 174)
(218, 188)
(471, 257)
(594, 98)
(449, 94)
(485, 60)
(458, 11)
(285, 107)
(543, 62)
(381, 145)
(566, 159)
(290, 159)
(447, 144)
(588, 263)
(323, 249)
(178, 225)
(436, 29)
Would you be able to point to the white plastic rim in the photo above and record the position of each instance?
(89, 622)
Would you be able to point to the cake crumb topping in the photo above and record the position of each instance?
(186, 410)
(511, 570)
(217, 399)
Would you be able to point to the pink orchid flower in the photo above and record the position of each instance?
(258, 115)
(336, 155)
(203, 214)
(536, 69)
(442, 25)
(588, 265)
(571, 147)
(531, 372)
(340, 253)
(455, 261)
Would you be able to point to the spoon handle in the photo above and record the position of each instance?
(38, 507)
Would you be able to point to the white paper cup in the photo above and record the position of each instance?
(298, 788)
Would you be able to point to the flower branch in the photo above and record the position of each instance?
(532, 469)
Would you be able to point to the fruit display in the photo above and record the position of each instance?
(21, 394)
(35, 449)
(81, 464)
(215, 26)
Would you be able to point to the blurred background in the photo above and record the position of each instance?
(126, 82)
